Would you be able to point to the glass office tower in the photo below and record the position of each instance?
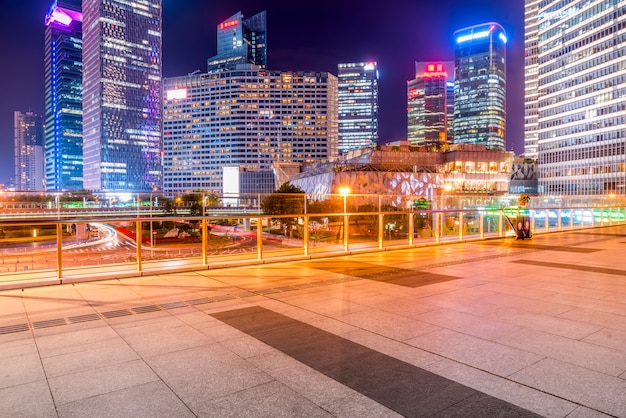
(531, 75)
(480, 86)
(582, 97)
(240, 41)
(428, 107)
(28, 147)
(122, 95)
(358, 105)
(63, 147)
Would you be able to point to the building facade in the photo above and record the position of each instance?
(480, 86)
(240, 41)
(28, 146)
(531, 75)
(64, 94)
(122, 95)
(581, 97)
(358, 105)
(246, 118)
(428, 104)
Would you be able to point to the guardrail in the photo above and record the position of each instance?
(43, 251)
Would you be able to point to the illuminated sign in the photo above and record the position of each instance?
(229, 24)
(177, 94)
(435, 70)
(473, 36)
(62, 16)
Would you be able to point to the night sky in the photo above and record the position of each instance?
(309, 36)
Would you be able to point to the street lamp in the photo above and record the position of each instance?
(345, 191)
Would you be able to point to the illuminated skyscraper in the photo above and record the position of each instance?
(240, 41)
(530, 78)
(358, 105)
(480, 86)
(122, 95)
(244, 119)
(581, 97)
(28, 141)
(430, 104)
(64, 108)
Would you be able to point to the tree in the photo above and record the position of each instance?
(288, 199)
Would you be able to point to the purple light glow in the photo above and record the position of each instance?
(62, 16)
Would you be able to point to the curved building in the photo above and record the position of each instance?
(480, 86)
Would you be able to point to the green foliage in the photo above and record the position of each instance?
(288, 199)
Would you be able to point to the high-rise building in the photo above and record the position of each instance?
(430, 104)
(530, 78)
(480, 86)
(63, 146)
(358, 105)
(240, 41)
(28, 141)
(122, 95)
(248, 118)
(581, 97)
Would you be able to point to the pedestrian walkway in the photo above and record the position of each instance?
(491, 328)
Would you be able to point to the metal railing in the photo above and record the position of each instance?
(51, 251)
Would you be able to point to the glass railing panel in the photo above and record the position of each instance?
(325, 234)
(283, 237)
(30, 248)
(395, 229)
(450, 225)
(424, 226)
(471, 224)
(363, 230)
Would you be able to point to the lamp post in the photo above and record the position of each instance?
(446, 188)
(345, 191)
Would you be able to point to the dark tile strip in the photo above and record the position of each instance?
(571, 267)
(562, 248)
(404, 388)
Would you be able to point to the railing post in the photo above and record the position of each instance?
(547, 220)
(500, 219)
(60, 250)
(438, 217)
(381, 230)
(559, 224)
(259, 239)
(481, 226)
(411, 227)
(306, 235)
(533, 218)
(205, 240)
(138, 242)
(461, 226)
(346, 233)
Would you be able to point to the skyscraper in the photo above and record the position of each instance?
(581, 97)
(28, 141)
(247, 119)
(429, 103)
(530, 78)
(358, 105)
(122, 95)
(240, 41)
(480, 86)
(64, 108)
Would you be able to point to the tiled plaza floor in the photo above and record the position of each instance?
(493, 328)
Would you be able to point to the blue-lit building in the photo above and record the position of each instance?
(358, 105)
(122, 95)
(480, 86)
(430, 104)
(63, 145)
(240, 41)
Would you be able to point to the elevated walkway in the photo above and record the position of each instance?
(486, 328)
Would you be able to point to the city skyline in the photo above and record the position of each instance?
(301, 39)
